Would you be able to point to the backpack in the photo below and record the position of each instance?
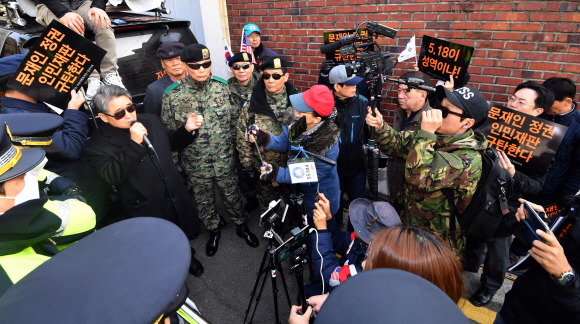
(484, 214)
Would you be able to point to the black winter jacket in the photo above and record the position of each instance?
(353, 134)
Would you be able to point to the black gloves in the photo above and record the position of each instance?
(326, 67)
(270, 173)
(262, 138)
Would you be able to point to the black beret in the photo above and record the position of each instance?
(195, 53)
(169, 49)
(274, 62)
(240, 57)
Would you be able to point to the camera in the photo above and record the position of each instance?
(269, 219)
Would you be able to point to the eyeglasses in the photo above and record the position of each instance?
(121, 113)
(275, 76)
(520, 104)
(196, 66)
(243, 66)
(445, 111)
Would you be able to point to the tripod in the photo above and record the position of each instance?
(274, 270)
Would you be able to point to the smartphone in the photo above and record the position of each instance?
(532, 223)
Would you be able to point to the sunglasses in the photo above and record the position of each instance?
(243, 66)
(445, 111)
(121, 113)
(275, 76)
(196, 66)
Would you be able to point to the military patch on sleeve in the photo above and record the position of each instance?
(277, 63)
(171, 87)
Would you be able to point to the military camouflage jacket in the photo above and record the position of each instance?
(280, 106)
(434, 162)
(211, 154)
(241, 95)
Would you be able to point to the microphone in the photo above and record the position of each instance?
(145, 139)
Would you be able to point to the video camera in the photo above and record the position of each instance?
(372, 62)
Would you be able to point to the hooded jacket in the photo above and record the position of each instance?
(323, 141)
(435, 162)
(268, 111)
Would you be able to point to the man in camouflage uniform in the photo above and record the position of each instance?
(443, 153)
(268, 106)
(241, 85)
(211, 157)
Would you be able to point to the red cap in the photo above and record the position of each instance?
(320, 99)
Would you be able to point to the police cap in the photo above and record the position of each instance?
(240, 57)
(106, 277)
(14, 161)
(33, 129)
(274, 62)
(169, 49)
(195, 53)
(9, 64)
(389, 296)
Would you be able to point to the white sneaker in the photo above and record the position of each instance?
(94, 85)
(113, 78)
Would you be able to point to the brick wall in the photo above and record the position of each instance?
(514, 41)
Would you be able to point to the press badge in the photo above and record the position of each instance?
(302, 170)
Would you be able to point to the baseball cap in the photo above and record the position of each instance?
(195, 53)
(389, 296)
(250, 28)
(368, 218)
(318, 98)
(9, 64)
(467, 99)
(169, 49)
(338, 75)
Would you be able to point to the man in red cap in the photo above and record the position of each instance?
(317, 105)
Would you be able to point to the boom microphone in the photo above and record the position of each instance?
(145, 139)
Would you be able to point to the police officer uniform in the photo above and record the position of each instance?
(78, 286)
(154, 93)
(211, 157)
(31, 230)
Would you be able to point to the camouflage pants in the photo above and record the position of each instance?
(440, 226)
(204, 197)
(248, 189)
(268, 193)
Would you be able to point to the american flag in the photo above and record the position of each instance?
(246, 47)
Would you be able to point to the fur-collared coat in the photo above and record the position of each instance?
(323, 141)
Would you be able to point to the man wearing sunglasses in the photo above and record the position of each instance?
(443, 153)
(211, 157)
(529, 98)
(147, 180)
(269, 104)
(169, 54)
(241, 85)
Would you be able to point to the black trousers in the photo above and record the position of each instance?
(496, 260)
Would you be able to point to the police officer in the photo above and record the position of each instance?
(31, 225)
(71, 137)
(211, 157)
(175, 70)
(269, 105)
(241, 85)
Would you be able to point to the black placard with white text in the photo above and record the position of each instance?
(440, 59)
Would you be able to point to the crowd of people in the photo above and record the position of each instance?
(200, 132)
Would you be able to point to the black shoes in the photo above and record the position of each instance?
(214, 240)
(195, 267)
(251, 205)
(481, 297)
(244, 232)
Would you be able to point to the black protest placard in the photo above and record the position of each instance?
(440, 59)
(529, 142)
(60, 61)
(334, 36)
